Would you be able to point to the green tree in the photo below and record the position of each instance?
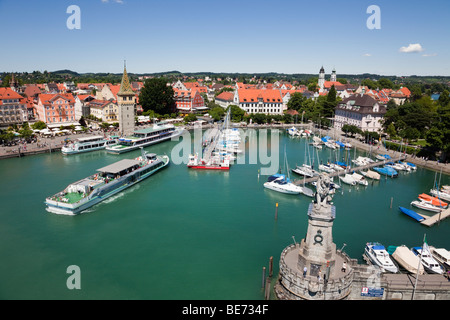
(190, 118)
(237, 114)
(156, 95)
(296, 101)
(217, 113)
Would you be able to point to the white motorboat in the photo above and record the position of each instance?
(336, 167)
(408, 260)
(425, 206)
(442, 256)
(331, 145)
(360, 179)
(327, 168)
(429, 263)
(305, 170)
(378, 256)
(281, 183)
(348, 179)
(440, 194)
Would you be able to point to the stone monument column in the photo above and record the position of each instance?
(317, 251)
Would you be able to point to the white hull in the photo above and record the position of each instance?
(379, 257)
(287, 188)
(425, 206)
(118, 149)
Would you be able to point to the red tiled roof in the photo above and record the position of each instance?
(252, 95)
(226, 96)
(8, 93)
(46, 98)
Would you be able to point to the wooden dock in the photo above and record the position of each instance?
(429, 221)
(343, 172)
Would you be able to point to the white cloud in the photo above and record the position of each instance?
(429, 55)
(116, 1)
(367, 55)
(412, 48)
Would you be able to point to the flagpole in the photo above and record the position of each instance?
(418, 267)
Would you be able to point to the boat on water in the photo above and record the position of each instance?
(440, 194)
(429, 263)
(371, 174)
(425, 206)
(216, 162)
(442, 256)
(305, 170)
(159, 132)
(377, 255)
(108, 181)
(387, 171)
(281, 183)
(87, 144)
(348, 179)
(412, 214)
(327, 168)
(383, 157)
(433, 200)
(359, 179)
(408, 260)
(293, 132)
(398, 166)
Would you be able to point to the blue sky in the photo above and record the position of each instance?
(245, 36)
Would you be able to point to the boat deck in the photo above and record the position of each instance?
(429, 221)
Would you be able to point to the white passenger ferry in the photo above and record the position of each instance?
(108, 181)
(87, 144)
(142, 138)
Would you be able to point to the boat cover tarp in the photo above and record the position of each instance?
(340, 144)
(407, 259)
(372, 175)
(412, 214)
(342, 164)
(325, 139)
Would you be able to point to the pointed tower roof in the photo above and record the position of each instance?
(125, 87)
(322, 70)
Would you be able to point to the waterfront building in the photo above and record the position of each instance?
(82, 108)
(13, 108)
(188, 101)
(259, 101)
(106, 110)
(360, 110)
(126, 102)
(225, 99)
(56, 109)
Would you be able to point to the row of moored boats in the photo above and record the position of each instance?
(417, 260)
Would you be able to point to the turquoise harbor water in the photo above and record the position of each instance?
(181, 234)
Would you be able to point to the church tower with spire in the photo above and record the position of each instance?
(126, 100)
(333, 76)
(321, 82)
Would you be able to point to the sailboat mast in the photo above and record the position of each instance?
(418, 268)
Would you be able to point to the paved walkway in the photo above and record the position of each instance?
(42, 145)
